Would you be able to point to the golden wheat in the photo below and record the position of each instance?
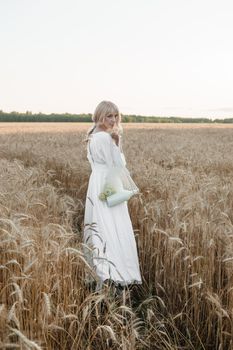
(183, 221)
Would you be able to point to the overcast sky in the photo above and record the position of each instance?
(150, 57)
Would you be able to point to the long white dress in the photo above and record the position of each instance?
(108, 230)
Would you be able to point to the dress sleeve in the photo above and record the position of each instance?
(110, 152)
(105, 147)
(112, 156)
(118, 157)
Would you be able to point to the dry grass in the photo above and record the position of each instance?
(183, 220)
(12, 128)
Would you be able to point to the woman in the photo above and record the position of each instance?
(108, 230)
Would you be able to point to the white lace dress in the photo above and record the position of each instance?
(108, 230)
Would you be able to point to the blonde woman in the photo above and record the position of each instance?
(108, 230)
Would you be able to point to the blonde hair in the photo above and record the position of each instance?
(104, 109)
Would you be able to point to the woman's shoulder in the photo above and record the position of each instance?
(102, 135)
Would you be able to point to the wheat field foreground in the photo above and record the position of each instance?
(183, 222)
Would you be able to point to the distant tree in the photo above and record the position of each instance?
(28, 116)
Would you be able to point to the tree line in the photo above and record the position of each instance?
(85, 118)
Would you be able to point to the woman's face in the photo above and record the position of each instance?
(110, 121)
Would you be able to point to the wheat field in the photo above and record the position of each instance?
(183, 223)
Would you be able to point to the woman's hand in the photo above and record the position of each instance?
(115, 137)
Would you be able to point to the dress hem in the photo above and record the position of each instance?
(100, 283)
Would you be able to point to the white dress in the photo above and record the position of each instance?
(108, 230)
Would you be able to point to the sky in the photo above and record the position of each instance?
(150, 57)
